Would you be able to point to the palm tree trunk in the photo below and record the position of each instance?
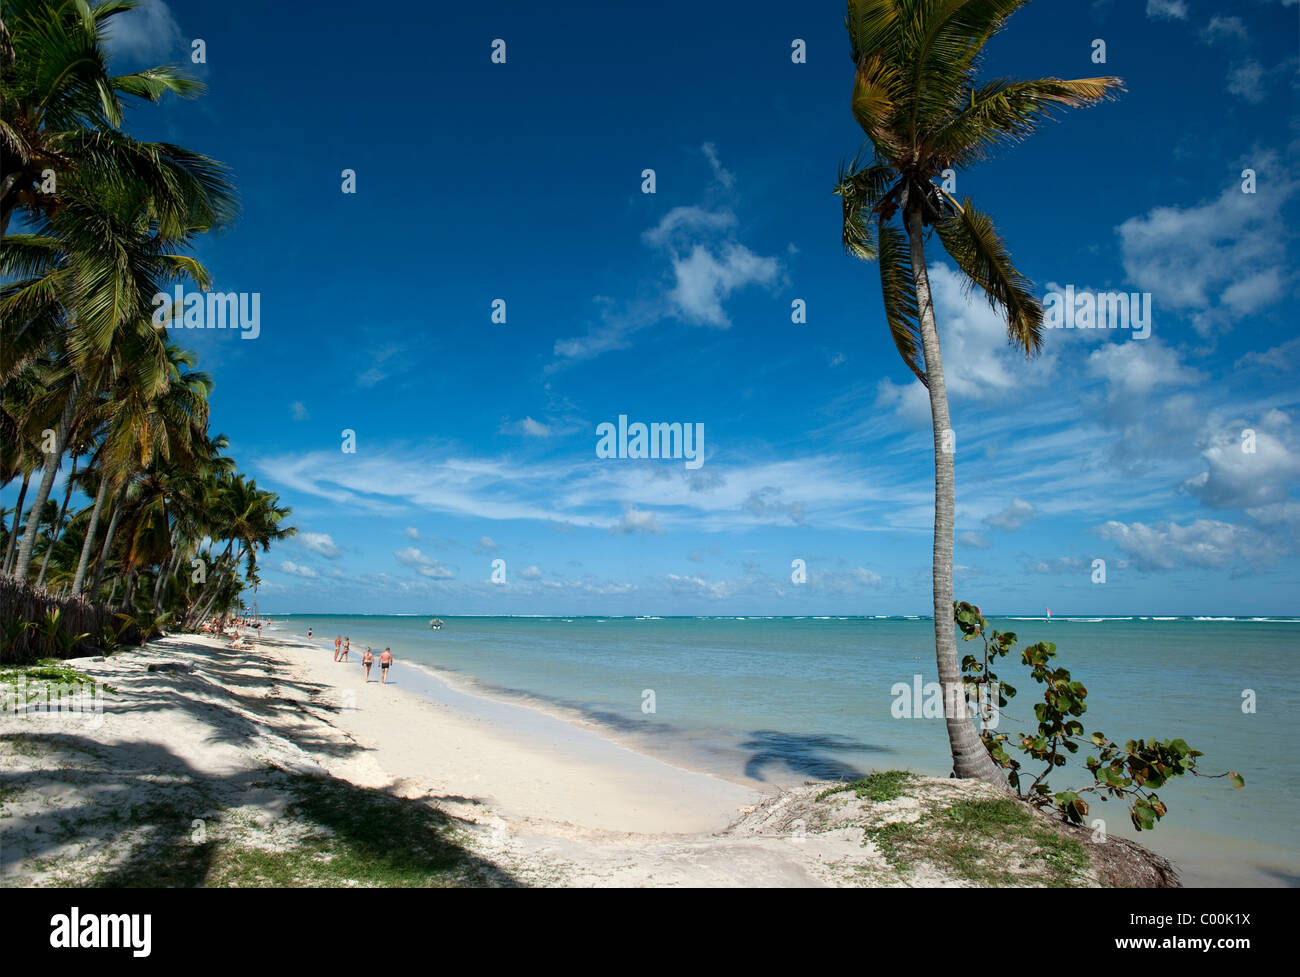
(18, 514)
(47, 482)
(58, 526)
(88, 543)
(969, 757)
(210, 585)
(164, 572)
(207, 608)
(130, 590)
(102, 563)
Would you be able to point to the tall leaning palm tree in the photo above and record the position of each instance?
(917, 97)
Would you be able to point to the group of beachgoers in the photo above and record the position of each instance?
(228, 627)
(343, 646)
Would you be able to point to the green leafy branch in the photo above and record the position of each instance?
(1130, 772)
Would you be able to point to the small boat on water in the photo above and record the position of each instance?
(436, 624)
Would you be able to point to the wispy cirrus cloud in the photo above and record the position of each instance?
(707, 264)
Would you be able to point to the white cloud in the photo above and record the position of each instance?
(1167, 9)
(1241, 479)
(682, 223)
(297, 570)
(704, 279)
(319, 543)
(1139, 366)
(974, 540)
(1012, 517)
(1204, 543)
(868, 577)
(487, 544)
(720, 173)
(1220, 28)
(299, 411)
(827, 490)
(531, 573)
(767, 504)
(910, 401)
(412, 532)
(424, 565)
(1282, 358)
(528, 427)
(379, 370)
(699, 587)
(1247, 81)
(148, 33)
(1059, 565)
(708, 263)
(1219, 260)
(636, 520)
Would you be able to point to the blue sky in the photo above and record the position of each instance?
(522, 181)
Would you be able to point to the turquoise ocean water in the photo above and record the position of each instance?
(782, 700)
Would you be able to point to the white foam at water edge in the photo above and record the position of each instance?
(1165, 619)
(1214, 619)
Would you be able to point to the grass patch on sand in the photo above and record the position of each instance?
(357, 836)
(880, 787)
(986, 842)
(50, 671)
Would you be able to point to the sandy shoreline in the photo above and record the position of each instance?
(547, 798)
(523, 763)
(197, 737)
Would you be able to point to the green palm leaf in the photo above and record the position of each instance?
(898, 287)
(971, 239)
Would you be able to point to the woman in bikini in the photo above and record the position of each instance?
(385, 660)
(338, 642)
(367, 660)
(343, 655)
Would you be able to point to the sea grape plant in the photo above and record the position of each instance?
(1133, 771)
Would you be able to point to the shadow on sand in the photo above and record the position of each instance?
(169, 824)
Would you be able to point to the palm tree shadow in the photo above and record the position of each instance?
(158, 822)
(810, 755)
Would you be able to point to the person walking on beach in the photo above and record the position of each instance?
(385, 660)
(343, 655)
(367, 660)
(309, 634)
(347, 646)
(338, 642)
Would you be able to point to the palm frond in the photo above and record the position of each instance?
(971, 239)
(1008, 110)
(860, 188)
(898, 287)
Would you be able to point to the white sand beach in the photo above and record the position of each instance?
(535, 799)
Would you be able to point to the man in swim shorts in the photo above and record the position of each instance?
(385, 660)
